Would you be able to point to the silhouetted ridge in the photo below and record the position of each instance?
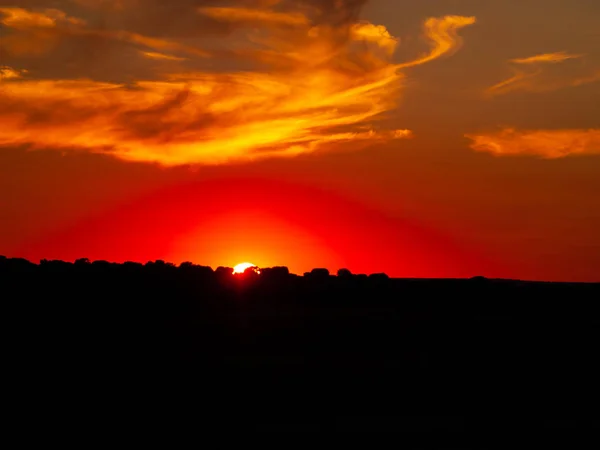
(157, 342)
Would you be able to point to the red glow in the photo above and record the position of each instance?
(270, 223)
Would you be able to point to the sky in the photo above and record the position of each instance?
(438, 138)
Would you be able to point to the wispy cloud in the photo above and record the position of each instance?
(258, 79)
(249, 15)
(155, 43)
(7, 73)
(587, 79)
(156, 55)
(532, 74)
(21, 18)
(546, 58)
(34, 33)
(549, 144)
(443, 34)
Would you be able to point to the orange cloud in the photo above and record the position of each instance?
(546, 58)
(290, 80)
(156, 55)
(233, 14)
(37, 32)
(33, 33)
(443, 32)
(8, 72)
(20, 18)
(155, 43)
(375, 33)
(586, 79)
(545, 143)
(539, 79)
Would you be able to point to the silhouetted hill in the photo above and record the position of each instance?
(154, 341)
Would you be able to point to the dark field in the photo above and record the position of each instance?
(110, 346)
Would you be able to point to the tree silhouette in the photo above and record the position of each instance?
(156, 341)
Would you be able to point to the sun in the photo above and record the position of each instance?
(241, 267)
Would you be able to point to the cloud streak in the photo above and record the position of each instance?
(546, 58)
(6, 73)
(550, 144)
(443, 34)
(532, 74)
(249, 15)
(286, 78)
(156, 55)
(20, 18)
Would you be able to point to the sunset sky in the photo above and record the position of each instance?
(430, 138)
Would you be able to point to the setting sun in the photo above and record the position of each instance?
(241, 267)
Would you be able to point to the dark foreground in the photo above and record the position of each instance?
(107, 346)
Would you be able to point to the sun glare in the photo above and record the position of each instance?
(241, 267)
